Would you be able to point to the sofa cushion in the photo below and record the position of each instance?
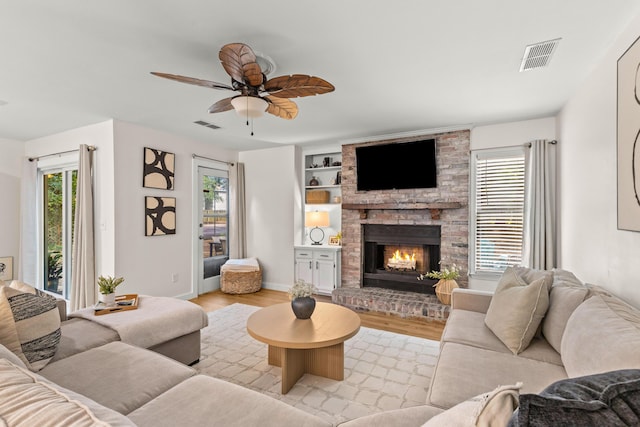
(602, 334)
(118, 375)
(563, 300)
(6, 354)
(608, 399)
(467, 327)
(488, 409)
(27, 399)
(518, 306)
(463, 371)
(36, 321)
(80, 335)
(224, 404)
(413, 416)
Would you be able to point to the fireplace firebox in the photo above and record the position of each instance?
(395, 255)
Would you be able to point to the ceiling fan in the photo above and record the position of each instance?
(256, 94)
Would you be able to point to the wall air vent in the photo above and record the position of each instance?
(206, 124)
(538, 55)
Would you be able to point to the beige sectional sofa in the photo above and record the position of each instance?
(94, 379)
(584, 330)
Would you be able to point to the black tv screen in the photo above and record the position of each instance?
(396, 166)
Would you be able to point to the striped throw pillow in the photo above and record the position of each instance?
(36, 322)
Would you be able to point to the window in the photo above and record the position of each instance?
(497, 209)
(58, 198)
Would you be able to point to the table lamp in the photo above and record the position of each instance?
(316, 219)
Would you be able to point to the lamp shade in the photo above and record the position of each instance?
(316, 219)
(249, 106)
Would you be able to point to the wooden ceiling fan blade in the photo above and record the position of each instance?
(221, 106)
(193, 81)
(282, 107)
(239, 61)
(297, 85)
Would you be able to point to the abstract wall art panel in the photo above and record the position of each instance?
(160, 216)
(159, 169)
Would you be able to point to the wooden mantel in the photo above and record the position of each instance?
(435, 208)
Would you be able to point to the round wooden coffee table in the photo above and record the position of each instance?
(314, 346)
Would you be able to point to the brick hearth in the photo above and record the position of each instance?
(404, 304)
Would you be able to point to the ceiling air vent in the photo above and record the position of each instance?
(206, 124)
(538, 55)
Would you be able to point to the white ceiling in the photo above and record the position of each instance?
(397, 66)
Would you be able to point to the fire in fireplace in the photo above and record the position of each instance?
(394, 256)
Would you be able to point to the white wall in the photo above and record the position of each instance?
(508, 135)
(101, 136)
(10, 173)
(148, 262)
(274, 211)
(591, 245)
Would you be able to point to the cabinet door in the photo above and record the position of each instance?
(324, 274)
(304, 270)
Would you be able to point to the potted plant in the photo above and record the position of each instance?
(54, 270)
(302, 302)
(107, 286)
(446, 282)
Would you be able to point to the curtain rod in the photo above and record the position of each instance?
(215, 160)
(552, 142)
(89, 148)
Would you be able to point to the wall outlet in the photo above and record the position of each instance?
(174, 278)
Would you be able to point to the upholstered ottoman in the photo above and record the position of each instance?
(241, 276)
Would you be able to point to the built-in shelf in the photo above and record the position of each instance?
(435, 208)
(328, 168)
(311, 187)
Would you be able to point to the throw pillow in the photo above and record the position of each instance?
(518, 306)
(489, 409)
(607, 399)
(563, 300)
(36, 321)
(602, 334)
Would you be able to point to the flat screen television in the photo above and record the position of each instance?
(396, 166)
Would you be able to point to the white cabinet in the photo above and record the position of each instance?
(319, 265)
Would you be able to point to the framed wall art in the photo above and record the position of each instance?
(6, 268)
(158, 169)
(160, 216)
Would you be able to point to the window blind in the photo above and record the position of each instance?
(499, 210)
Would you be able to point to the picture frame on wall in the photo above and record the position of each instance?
(160, 216)
(628, 138)
(6, 268)
(158, 169)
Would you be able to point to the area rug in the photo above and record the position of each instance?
(383, 370)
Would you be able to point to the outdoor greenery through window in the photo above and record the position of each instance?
(215, 215)
(59, 200)
(498, 209)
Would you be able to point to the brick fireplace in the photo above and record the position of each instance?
(444, 207)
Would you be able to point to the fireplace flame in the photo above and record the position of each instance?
(402, 261)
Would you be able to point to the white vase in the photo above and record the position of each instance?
(107, 299)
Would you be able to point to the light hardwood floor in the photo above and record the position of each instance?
(412, 326)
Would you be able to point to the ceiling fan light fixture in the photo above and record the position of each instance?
(249, 106)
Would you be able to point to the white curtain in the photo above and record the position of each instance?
(83, 278)
(28, 263)
(540, 241)
(238, 248)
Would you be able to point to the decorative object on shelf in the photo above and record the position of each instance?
(160, 216)
(6, 268)
(107, 286)
(337, 200)
(302, 302)
(628, 138)
(316, 219)
(314, 181)
(326, 162)
(446, 282)
(339, 178)
(158, 169)
(317, 196)
(336, 164)
(334, 240)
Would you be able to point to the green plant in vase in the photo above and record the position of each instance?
(107, 286)
(446, 281)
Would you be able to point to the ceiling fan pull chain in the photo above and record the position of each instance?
(251, 127)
